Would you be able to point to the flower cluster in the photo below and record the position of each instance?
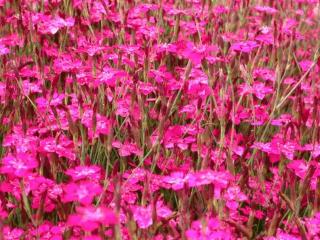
(160, 120)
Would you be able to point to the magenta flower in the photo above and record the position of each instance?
(48, 231)
(159, 119)
(49, 24)
(162, 210)
(4, 50)
(210, 228)
(19, 166)
(172, 136)
(220, 9)
(63, 149)
(260, 90)
(176, 180)
(313, 224)
(90, 218)
(266, 9)
(299, 167)
(244, 47)
(305, 65)
(66, 64)
(265, 74)
(83, 192)
(146, 88)
(126, 149)
(110, 76)
(102, 124)
(12, 234)
(233, 196)
(143, 216)
(3, 212)
(85, 172)
(220, 180)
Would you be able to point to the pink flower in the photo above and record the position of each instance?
(162, 210)
(85, 172)
(126, 149)
(172, 136)
(313, 224)
(192, 52)
(220, 9)
(266, 39)
(29, 87)
(146, 88)
(64, 149)
(3, 212)
(219, 179)
(314, 148)
(47, 230)
(20, 165)
(66, 64)
(285, 236)
(90, 218)
(233, 196)
(260, 90)
(4, 50)
(102, 124)
(110, 76)
(244, 47)
(266, 9)
(176, 180)
(299, 167)
(50, 24)
(83, 192)
(305, 65)
(125, 109)
(265, 74)
(12, 234)
(143, 216)
(207, 229)
(195, 179)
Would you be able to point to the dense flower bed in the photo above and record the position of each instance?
(187, 119)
